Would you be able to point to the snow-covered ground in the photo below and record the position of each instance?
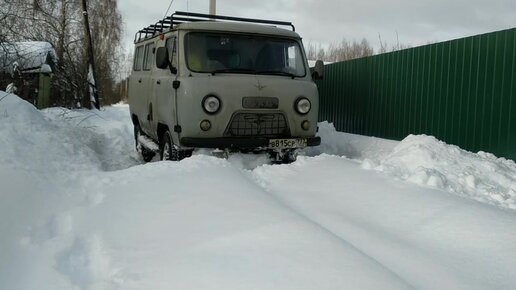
(80, 210)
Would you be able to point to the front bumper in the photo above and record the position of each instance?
(238, 142)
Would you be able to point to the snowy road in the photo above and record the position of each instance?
(429, 238)
(79, 210)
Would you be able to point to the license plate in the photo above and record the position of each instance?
(287, 143)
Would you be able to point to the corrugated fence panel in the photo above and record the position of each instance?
(461, 91)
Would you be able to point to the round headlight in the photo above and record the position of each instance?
(303, 106)
(211, 104)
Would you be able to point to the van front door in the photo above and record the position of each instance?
(164, 92)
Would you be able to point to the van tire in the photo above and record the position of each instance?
(167, 150)
(147, 154)
(290, 157)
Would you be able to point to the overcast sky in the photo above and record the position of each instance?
(416, 22)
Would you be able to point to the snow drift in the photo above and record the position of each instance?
(426, 161)
(79, 210)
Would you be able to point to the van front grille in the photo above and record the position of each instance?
(250, 124)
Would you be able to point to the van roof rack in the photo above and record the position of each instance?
(169, 22)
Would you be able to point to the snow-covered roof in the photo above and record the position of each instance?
(27, 57)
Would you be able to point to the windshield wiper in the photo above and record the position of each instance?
(233, 70)
(276, 73)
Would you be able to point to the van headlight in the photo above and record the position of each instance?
(303, 106)
(211, 104)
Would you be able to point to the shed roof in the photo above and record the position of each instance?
(28, 57)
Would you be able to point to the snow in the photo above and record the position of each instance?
(46, 69)
(80, 210)
(11, 88)
(426, 161)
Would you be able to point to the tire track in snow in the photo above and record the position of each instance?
(416, 233)
(254, 179)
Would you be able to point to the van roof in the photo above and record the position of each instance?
(238, 27)
(205, 22)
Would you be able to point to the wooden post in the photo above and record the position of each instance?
(92, 85)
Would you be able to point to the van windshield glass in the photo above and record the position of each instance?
(246, 54)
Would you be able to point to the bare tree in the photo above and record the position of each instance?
(347, 50)
(341, 51)
(3, 23)
(310, 51)
(106, 24)
(59, 22)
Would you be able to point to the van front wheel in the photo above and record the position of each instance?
(167, 150)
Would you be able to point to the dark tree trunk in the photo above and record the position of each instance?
(91, 58)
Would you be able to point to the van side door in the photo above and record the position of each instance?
(137, 100)
(147, 87)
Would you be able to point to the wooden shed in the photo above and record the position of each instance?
(29, 66)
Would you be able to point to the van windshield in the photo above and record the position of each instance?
(247, 54)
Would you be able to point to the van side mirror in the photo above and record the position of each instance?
(163, 60)
(318, 72)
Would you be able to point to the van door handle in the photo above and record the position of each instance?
(140, 81)
(158, 82)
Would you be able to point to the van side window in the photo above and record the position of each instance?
(138, 58)
(172, 50)
(294, 59)
(149, 59)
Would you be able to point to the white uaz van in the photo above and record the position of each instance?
(237, 84)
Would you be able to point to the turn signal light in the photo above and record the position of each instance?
(306, 125)
(205, 125)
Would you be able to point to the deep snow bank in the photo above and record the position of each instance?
(108, 133)
(29, 141)
(350, 145)
(202, 224)
(75, 214)
(426, 161)
(63, 142)
(49, 164)
(67, 223)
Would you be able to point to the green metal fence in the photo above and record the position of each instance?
(461, 91)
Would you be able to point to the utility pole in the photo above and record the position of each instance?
(92, 73)
(213, 7)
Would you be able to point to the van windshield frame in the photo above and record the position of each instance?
(239, 53)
